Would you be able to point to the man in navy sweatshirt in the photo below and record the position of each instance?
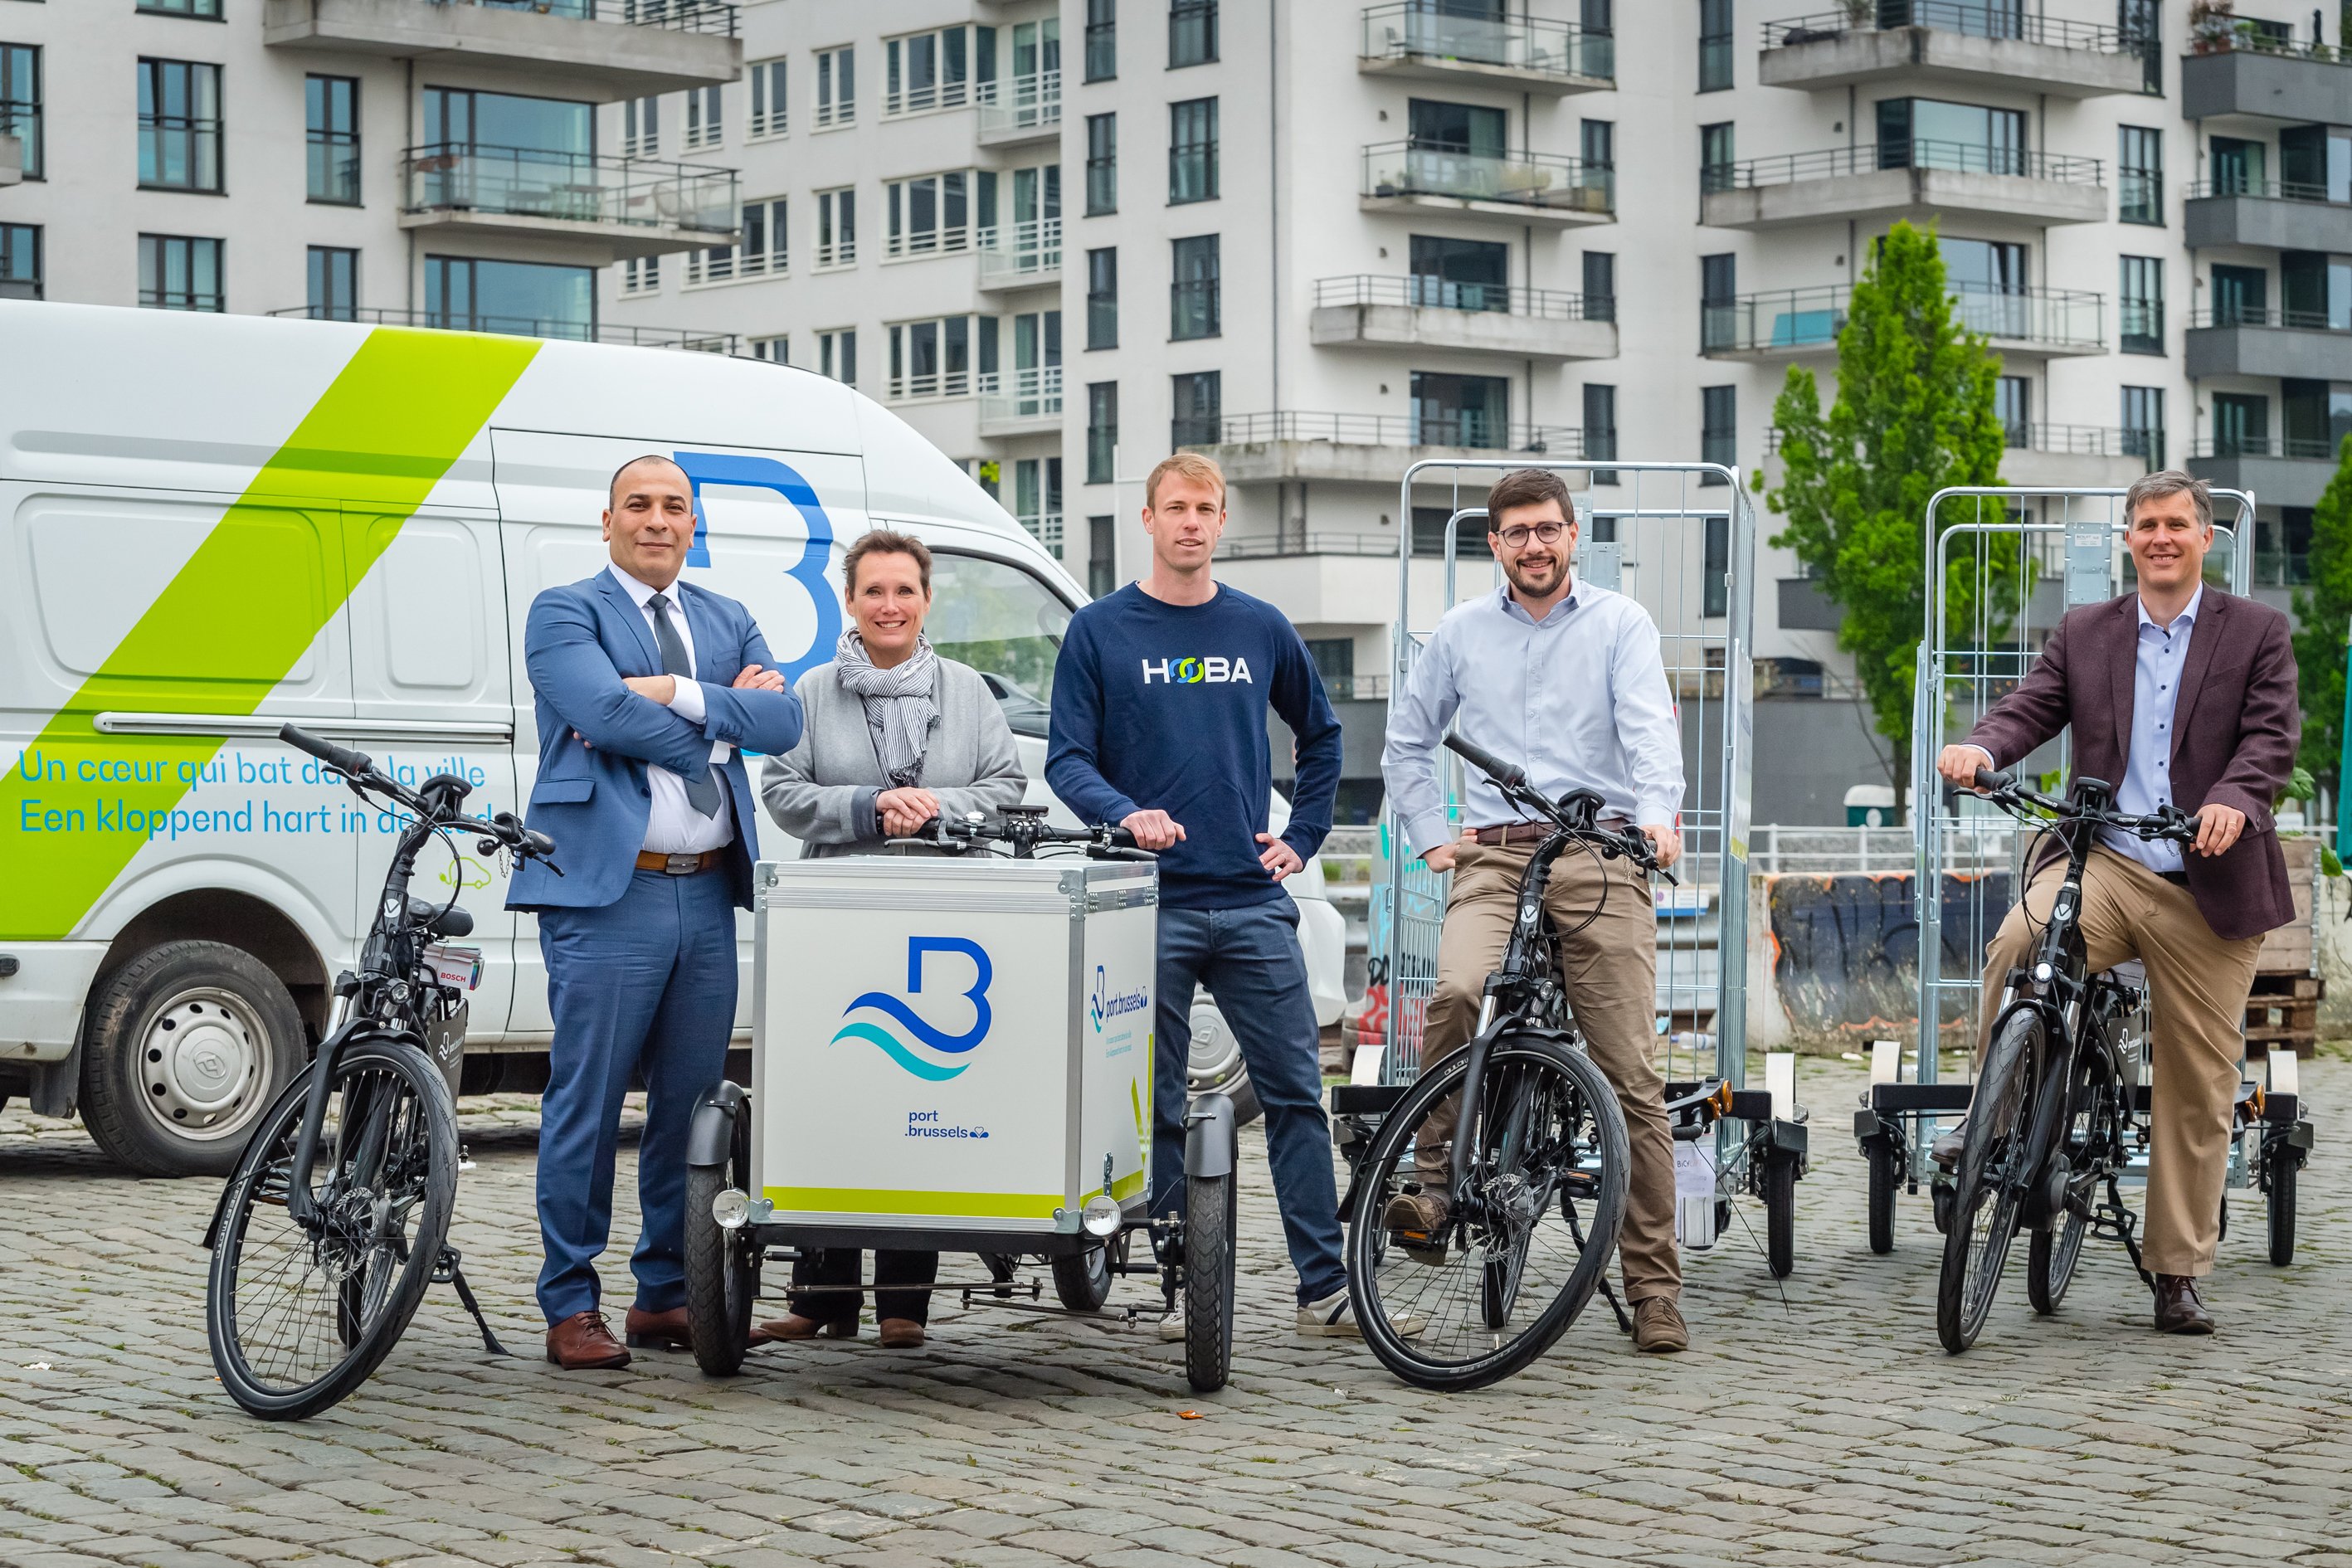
(1160, 704)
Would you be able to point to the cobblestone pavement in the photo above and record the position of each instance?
(1815, 1421)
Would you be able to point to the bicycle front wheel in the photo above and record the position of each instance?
(299, 1317)
(1522, 1248)
(1988, 1190)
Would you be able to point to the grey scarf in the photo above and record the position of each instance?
(899, 705)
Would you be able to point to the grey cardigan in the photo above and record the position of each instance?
(821, 792)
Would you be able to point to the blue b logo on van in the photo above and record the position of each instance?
(933, 1039)
(1105, 1003)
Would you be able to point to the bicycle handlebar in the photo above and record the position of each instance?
(1571, 814)
(350, 763)
(2171, 822)
(359, 771)
(1505, 775)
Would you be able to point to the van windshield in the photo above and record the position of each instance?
(1005, 624)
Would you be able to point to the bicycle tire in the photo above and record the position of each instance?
(1778, 1179)
(1541, 1063)
(1885, 1181)
(406, 1101)
(2281, 1204)
(1999, 1114)
(1209, 1216)
(2055, 1251)
(722, 1277)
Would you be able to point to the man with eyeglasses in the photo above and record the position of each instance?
(1565, 678)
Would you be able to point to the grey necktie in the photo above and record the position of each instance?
(701, 789)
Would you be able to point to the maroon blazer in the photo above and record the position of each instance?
(2234, 734)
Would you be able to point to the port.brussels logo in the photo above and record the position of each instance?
(1105, 1003)
(933, 1041)
(1206, 670)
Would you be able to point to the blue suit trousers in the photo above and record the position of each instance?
(646, 985)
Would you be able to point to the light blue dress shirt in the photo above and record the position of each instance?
(2146, 784)
(1578, 698)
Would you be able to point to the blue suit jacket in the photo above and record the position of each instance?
(592, 799)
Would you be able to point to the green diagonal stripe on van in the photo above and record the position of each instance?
(236, 619)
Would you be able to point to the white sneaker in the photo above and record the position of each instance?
(1172, 1326)
(1335, 1317)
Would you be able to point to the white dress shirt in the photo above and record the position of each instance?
(673, 827)
(1579, 699)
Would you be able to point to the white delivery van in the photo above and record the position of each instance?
(216, 524)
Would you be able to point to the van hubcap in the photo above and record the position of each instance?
(201, 1063)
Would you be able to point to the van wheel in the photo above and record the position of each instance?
(187, 1045)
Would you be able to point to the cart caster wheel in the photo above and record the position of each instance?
(1082, 1280)
(2282, 1211)
(1939, 1195)
(1886, 1179)
(1778, 1179)
(1208, 1241)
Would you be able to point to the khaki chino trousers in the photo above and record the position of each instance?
(2196, 986)
(1609, 969)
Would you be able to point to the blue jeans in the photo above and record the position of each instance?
(1250, 959)
(645, 984)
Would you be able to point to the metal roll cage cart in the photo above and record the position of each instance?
(1689, 558)
(1969, 857)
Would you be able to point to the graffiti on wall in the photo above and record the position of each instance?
(1845, 949)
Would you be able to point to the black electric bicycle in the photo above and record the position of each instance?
(1531, 1141)
(337, 1215)
(2049, 1127)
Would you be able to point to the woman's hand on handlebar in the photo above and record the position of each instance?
(903, 812)
(1153, 830)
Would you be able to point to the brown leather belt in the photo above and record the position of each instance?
(1536, 832)
(680, 865)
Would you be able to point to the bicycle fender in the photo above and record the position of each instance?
(1210, 1136)
(295, 1089)
(710, 1136)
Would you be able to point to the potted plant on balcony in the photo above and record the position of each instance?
(2212, 25)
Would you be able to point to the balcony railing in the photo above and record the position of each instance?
(1460, 427)
(1418, 29)
(1979, 20)
(2265, 190)
(526, 327)
(2064, 440)
(1020, 250)
(1046, 527)
(1797, 319)
(2281, 568)
(1035, 392)
(1282, 546)
(2316, 448)
(1031, 102)
(685, 16)
(1439, 293)
(575, 187)
(2249, 37)
(2257, 316)
(1966, 157)
(1527, 179)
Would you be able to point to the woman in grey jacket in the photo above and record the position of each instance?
(893, 736)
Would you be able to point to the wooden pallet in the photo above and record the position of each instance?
(2283, 1012)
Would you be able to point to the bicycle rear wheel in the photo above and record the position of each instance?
(298, 1319)
(1528, 1241)
(1989, 1189)
(2090, 1136)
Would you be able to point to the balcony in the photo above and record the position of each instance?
(2273, 470)
(608, 50)
(2307, 345)
(1915, 180)
(1025, 108)
(1790, 324)
(2269, 214)
(1022, 255)
(1968, 45)
(1528, 188)
(2034, 457)
(616, 207)
(1480, 318)
(1029, 403)
(1371, 448)
(12, 159)
(2251, 74)
(1420, 42)
(526, 327)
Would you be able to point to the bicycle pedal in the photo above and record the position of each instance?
(1420, 1246)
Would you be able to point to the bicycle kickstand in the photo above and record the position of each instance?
(452, 1265)
(1624, 1323)
(2125, 1225)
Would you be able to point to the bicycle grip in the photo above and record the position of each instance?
(1486, 762)
(1119, 837)
(1989, 780)
(350, 763)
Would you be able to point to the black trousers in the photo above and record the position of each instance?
(841, 1266)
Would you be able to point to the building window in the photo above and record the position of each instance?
(2140, 174)
(334, 294)
(20, 261)
(1195, 306)
(178, 273)
(935, 70)
(767, 106)
(1102, 569)
(2012, 405)
(2317, 416)
(2315, 163)
(1198, 401)
(704, 125)
(1601, 428)
(332, 105)
(837, 354)
(180, 126)
(1102, 164)
(928, 215)
(1715, 155)
(1102, 39)
(2241, 424)
(1037, 499)
(1192, 32)
(2141, 305)
(1715, 45)
(642, 275)
(1460, 410)
(2316, 290)
(934, 358)
(202, 10)
(762, 254)
(1719, 429)
(2143, 423)
(1715, 567)
(1929, 133)
(1600, 285)
(641, 127)
(2240, 296)
(1459, 274)
(537, 298)
(1719, 302)
(1102, 299)
(2240, 167)
(775, 351)
(1192, 151)
(20, 101)
(837, 227)
(837, 86)
(1102, 431)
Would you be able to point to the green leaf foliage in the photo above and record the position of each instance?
(2322, 612)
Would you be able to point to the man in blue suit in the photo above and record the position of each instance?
(647, 690)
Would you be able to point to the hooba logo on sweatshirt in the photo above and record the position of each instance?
(1207, 671)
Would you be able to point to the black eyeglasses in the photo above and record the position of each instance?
(1516, 537)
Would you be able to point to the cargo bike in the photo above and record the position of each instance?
(953, 1052)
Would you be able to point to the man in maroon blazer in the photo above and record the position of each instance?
(2178, 694)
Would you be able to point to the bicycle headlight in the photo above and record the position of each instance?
(1101, 1216)
(731, 1208)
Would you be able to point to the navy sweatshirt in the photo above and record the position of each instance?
(1161, 706)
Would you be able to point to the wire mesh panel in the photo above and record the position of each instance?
(1680, 539)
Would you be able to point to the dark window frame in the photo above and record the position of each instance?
(1716, 72)
(18, 280)
(1102, 434)
(25, 109)
(1102, 164)
(2139, 311)
(1196, 428)
(198, 139)
(322, 140)
(1102, 304)
(1202, 116)
(1199, 299)
(1715, 432)
(331, 309)
(1102, 40)
(158, 297)
(1192, 34)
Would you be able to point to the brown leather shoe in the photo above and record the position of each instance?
(901, 1334)
(673, 1329)
(2178, 1309)
(796, 1327)
(1658, 1326)
(583, 1341)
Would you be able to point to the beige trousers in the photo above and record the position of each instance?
(2197, 992)
(1611, 972)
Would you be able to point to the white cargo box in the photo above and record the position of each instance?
(952, 1045)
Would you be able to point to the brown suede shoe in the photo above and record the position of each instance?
(901, 1334)
(1658, 1326)
(583, 1341)
(673, 1329)
(2178, 1309)
(796, 1327)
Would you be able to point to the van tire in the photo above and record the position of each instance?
(253, 1045)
